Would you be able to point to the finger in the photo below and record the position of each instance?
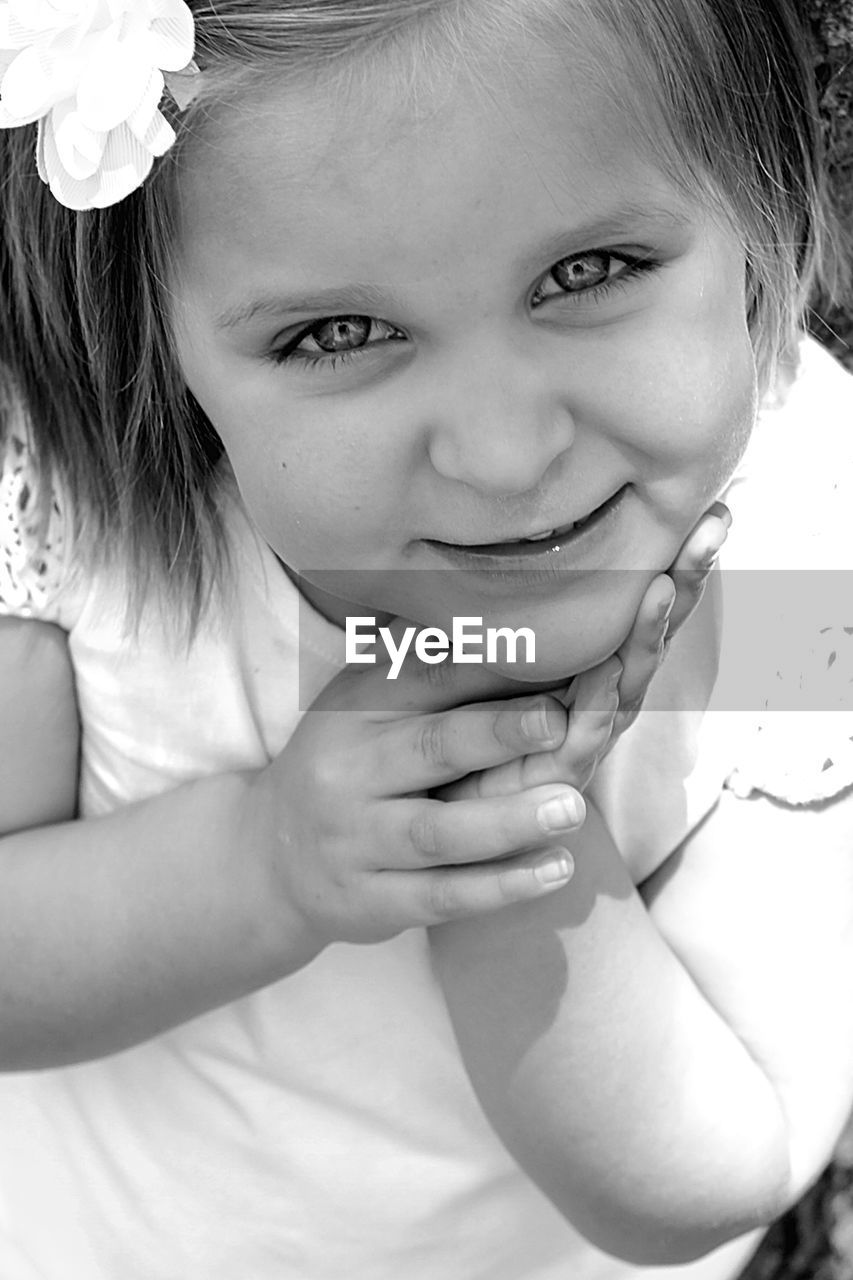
(695, 562)
(500, 780)
(593, 701)
(423, 752)
(438, 896)
(642, 653)
(431, 833)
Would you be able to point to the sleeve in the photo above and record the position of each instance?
(32, 536)
(800, 749)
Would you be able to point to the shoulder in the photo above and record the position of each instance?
(792, 495)
(787, 659)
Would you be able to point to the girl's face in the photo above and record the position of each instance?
(432, 324)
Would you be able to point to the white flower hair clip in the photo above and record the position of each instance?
(91, 72)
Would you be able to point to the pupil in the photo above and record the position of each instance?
(581, 273)
(343, 333)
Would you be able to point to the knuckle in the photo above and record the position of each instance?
(432, 743)
(436, 675)
(598, 720)
(425, 835)
(443, 901)
(324, 773)
(509, 884)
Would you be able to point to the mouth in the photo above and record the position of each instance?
(537, 547)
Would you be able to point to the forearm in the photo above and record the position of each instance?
(758, 906)
(607, 1073)
(115, 929)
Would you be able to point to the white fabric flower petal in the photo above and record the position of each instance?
(10, 39)
(7, 121)
(74, 193)
(91, 73)
(7, 57)
(147, 124)
(40, 160)
(171, 36)
(28, 89)
(113, 83)
(80, 149)
(47, 15)
(20, 37)
(125, 166)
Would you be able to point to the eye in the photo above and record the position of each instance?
(341, 333)
(335, 338)
(589, 273)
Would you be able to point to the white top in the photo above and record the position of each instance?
(325, 1127)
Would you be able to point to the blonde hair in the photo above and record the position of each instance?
(85, 342)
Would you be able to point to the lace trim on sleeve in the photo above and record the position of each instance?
(803, 756)
(32, 542)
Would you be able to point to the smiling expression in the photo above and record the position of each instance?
(428, 328)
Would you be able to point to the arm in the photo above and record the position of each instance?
(110, 930)
(608, 1073)
(37, 708)
(117, 928)
(758, 904)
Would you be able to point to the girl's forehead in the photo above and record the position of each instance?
(364, 159)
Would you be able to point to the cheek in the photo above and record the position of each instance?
(693, 398)
(724, 404)
(318, 494)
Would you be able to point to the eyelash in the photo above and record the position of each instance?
(635, 268)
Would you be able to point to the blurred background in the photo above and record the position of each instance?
(831, 23)
(815, 1240)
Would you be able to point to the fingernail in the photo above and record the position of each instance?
(665, 608)
(560, 813)
(709, 557)
(535, 723)
(555, 870)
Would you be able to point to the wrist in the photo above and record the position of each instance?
(287, 932)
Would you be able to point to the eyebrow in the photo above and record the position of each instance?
(358, 299)
(344, 300)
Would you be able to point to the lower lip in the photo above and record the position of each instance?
(547, 554)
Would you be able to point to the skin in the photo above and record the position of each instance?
(487, 401)
(345, 834)
(495, 414)
(483, 410)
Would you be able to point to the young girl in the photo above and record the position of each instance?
(415, 311)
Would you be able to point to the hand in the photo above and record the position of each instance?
(356, 845)
(605, 701)
(669, 601)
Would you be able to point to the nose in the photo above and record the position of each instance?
(499, 420)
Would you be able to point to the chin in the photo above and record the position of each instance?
(559, 657)
(579, 635)
(557, 663)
